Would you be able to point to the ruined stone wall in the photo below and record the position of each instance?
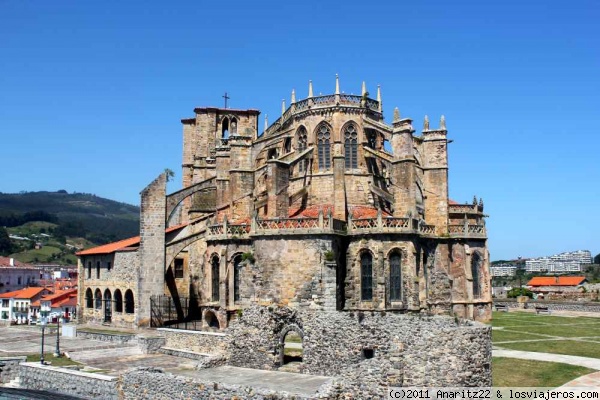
(407, 350)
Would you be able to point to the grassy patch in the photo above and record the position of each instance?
(567, 347)
(49, 358)
(562, 330)
(32, 227)
(527, 373)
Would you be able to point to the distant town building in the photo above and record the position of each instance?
(15, 275)
(503, 269)
(560, 263)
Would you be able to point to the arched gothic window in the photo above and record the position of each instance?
(98, 296)
(324, 147)
(129, 302)
(475, 266)
(366, 276)
(302, 139)
(89, 298)
(118, 301)
(351, 147)
(214, 262)
(237, 266)
(225, 128)
(395, 277)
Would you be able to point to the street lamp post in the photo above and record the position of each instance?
(57, 351)
(43, 322)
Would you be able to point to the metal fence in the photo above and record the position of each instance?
(176, 313)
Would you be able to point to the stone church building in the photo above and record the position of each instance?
(328, 208)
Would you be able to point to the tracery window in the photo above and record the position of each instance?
(351, 147)
(302, 138)
(215, 277)
(324, 147)
(366, 276)
(395, 277)
(475, 265)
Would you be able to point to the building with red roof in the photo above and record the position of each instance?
(546, 284)
(15, 275)
(16, 306)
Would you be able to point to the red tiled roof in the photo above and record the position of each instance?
(59, 294)
(111, 247)
(121, 244)
(69, 302)
(556, 281)
(450, 201)
(26, 293)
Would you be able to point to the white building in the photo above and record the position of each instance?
(15, 275)
(504, 269)
(16, 306)
(560, 263)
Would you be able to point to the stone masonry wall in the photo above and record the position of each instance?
(9, 368)
(196, 341)
(554, 306)
(64, 381)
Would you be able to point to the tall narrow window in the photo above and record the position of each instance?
(225, 128)
(98, 296)
(324, 147)
(302, 138)
(351, 147)
(89, 298)
(118, 301)
(366, 276)
(237, 266)
(475, 265)
(178, 268)
(215, 278)
(97, 269)
(395, 278)
(89, 274)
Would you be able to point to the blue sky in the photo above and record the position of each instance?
(91, 93)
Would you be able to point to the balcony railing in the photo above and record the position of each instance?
(466, 230)
(24, 310)
(382, 224)
(465, 209)
(321, 102)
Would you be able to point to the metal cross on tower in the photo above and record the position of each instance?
(226, 98)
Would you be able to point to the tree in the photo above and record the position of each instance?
(597, 259)
(170, 174)
(6, 246)
(515, 292)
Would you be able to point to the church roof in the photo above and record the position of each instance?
(556, 281)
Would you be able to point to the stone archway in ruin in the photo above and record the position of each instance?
(291, 340)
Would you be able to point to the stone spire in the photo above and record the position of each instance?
(396, 114)
(310, 90)
(293, 96)
(379, 97)
(282, 106)
(443, 123)
(364, 89)
(481, 202)
(337, 84)
(266, 122)
(426, 123)
(474, 200)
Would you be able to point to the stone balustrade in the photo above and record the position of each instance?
(382, 224)
(467, 230)
(465, 209)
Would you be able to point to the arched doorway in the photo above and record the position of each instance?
(107, 306)
(211, 320)
(291, 347)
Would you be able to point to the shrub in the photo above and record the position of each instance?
(329, 256)
(516, 292)
(248, 257)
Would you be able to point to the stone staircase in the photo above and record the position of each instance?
(192, 355)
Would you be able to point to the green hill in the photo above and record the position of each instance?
(63, 221)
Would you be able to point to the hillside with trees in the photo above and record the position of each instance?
(51, 226)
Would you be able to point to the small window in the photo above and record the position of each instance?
(368, 353)
(19, 280)
(287, 145)
(237, 266)
(108, 265)
(89, 274)
(178, 268)
(395, 277)
(97, 269)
